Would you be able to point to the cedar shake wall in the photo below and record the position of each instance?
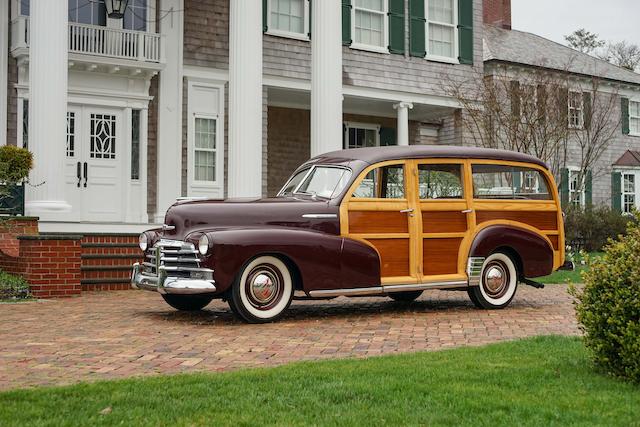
(206, 33)
(185, 144)
(12, 95)
(152, 150)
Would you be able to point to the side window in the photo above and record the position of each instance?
(440, 181)
(509, 182)
(386, 182)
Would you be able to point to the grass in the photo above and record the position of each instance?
(540, 381)
(569, 277)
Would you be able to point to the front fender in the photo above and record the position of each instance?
(322, 260)
(535, 253)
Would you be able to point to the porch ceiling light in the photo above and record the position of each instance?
(116, 8)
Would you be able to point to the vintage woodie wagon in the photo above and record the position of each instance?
(385, 221)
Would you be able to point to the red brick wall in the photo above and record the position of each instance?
(497, 12)
(11, 229)
(52, 265)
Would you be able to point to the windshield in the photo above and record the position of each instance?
(322, 181)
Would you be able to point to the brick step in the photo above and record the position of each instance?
(110, 239)
(106, 286)
(105, 274)
(112, 249)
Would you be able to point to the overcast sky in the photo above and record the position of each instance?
(613, 20)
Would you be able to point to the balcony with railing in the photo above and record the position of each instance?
(97, 41)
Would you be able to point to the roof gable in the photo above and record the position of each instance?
(629, 158)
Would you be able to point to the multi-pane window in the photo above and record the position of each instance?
(288, 17)
(103, 136)
(135, 144)
(71, 133)
(25, 123)
(576, 191)
(440, 181)
(204, 156)
(361, 135)
(634, 117)
(628, 192)
(370, 24)
(576, 110)
(385, 182)
(509, 182)
(93, 12)
(135, 17)
(442, 22)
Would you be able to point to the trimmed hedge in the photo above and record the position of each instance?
(590, 229)
(608, 307)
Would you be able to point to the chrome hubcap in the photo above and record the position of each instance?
(264, 287)
(496, 279)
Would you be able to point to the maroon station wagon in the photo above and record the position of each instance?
(385, 221)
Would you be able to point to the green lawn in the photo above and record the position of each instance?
(572, 277)
(539, 382)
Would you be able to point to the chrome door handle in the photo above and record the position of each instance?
(78, 173)
(406, 211)
(86, 174)
(467, 211)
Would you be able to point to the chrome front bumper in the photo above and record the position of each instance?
(165, 284)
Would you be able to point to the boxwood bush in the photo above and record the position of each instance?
(608, 307)
(13, 287)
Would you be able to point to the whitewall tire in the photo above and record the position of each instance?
(498, 282)
(263, 290)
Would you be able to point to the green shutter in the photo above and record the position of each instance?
(310, 21)
(586, 102)
(564, 187)
(265, 12)
(616, 191)
(588, 190)
(396, 26)
(388, 136)
(346, 22)
(417, 35)
(563, 108)
(465, 31)
(515, 97)
(625, 115)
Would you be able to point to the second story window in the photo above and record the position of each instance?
(288, 18)
(576, 110)
(442, 36)
(135, 17)
(634, 118)
(370, 23)
(92, 12)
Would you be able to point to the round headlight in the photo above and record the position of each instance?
(203, 244)
(143, 241)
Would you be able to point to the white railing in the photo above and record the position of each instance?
(100, 41)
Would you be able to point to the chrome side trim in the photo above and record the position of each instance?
(166, 227)
(381, 290)
(346, 292)
(320, 216)
(426, 286)
(474, 270)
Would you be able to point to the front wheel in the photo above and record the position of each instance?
(263, 290)
(498, 282)
(187, 302)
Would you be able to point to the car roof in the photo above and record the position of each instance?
(373, 155)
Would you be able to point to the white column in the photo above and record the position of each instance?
(169, 145)
(245, 99)
(326, 77)
(47, 107)
(403, 121)
(4, 50)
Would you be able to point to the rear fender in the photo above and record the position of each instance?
(534, 252)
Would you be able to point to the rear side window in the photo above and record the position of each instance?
(386, 182)
(440, 181)
(509, 182)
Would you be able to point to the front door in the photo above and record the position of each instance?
(93, 172)
(381, 211)
(445, 218)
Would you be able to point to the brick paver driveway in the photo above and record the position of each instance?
(125, 333)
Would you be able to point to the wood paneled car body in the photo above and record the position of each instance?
(391, 221)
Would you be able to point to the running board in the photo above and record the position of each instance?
(383, 290)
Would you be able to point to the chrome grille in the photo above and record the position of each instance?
(178, 258)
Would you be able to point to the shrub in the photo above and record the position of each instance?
(13, 287)
(608, 307)
(589, 229)
(15, 164)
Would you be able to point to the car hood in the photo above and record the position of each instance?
(195, 216)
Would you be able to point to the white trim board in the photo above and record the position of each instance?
(93, 227)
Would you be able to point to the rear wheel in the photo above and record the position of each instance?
(405, 296)
(263, 290)
(187, 302)
(498, 282)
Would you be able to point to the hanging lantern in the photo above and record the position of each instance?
(116, 8)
